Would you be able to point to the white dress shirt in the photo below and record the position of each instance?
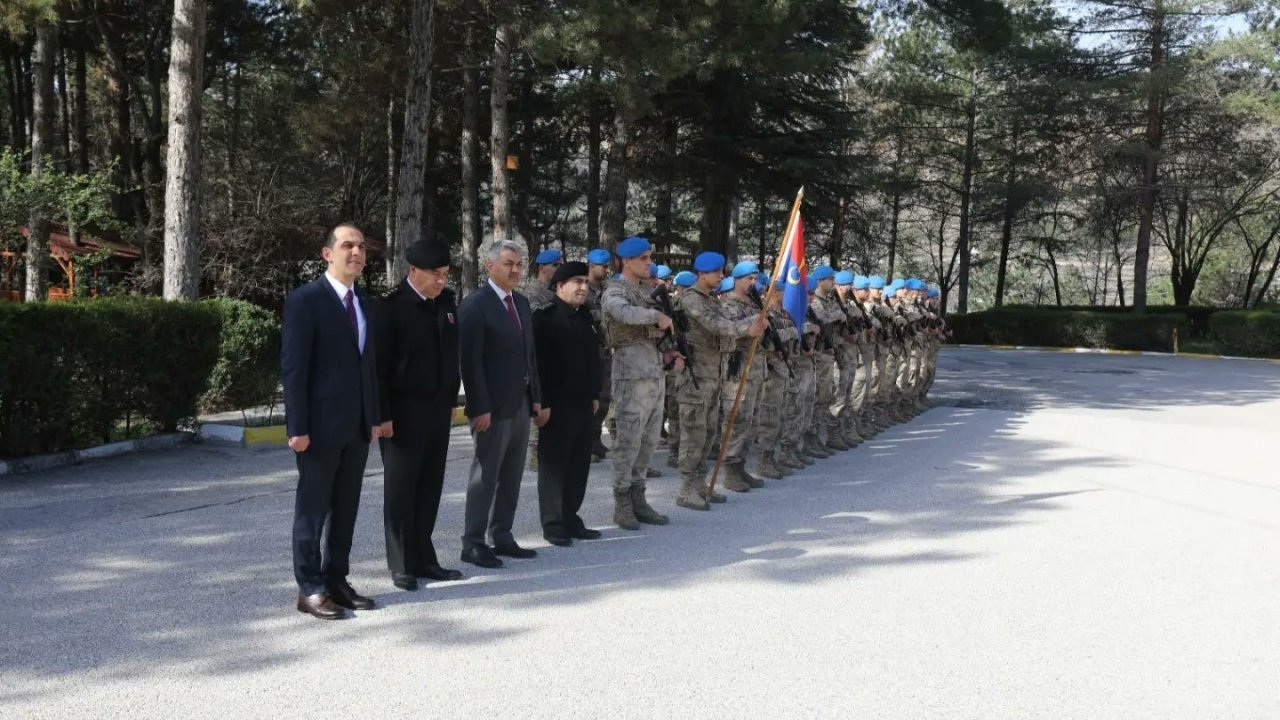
(342, 291)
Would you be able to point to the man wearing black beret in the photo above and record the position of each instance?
(418, 373)
(569, 369)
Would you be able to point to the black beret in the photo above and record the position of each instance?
(427, 255)
(568, 270)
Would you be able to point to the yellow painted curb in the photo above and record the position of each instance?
(269, 435)
(459, 416)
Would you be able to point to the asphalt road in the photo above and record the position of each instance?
(1061, 536)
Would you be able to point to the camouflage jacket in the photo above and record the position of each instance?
(631, 326)
(710, 331)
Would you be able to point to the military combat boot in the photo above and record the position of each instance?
(766, 466)
(834, 441)
(852, 437)
(788, 458)
(643, 512)
(733, 479)
(651, 473)
(624, 515)
(673, 457)
(755, 482)
(690, 495)
(813, 448)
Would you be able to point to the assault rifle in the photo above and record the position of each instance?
(771, 332)
(678, 332)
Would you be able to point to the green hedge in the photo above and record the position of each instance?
(93, 371)
(1197, 316)
(1047, 327)
(248, 369)
(1251, 333)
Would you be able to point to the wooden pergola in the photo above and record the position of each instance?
(63, 249)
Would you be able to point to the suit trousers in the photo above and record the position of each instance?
(413, 472)
(564, 461)
(329, 483)
(493, 489)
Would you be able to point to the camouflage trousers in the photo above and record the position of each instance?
(772, 410)
(744, 423)
(670, 413)
(699, 410)
(860, 388)
(841, 407)
(824, 368)
(637, 407)
(800, 402)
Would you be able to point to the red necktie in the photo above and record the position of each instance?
(515, 317)
(349, 300)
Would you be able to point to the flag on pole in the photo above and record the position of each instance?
(791, 266)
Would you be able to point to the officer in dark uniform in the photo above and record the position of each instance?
(569, 369)
(418, 378)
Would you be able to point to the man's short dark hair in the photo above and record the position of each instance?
(332, 238)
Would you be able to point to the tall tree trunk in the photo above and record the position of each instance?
(13, 91)
(717, 209)
(233, 136)
(896, 204)
(593, 168)
(499, 134)
(765, 248)
(64, 112)
(41, 144)
(1115, 250)
(1150, 158)
(613, 215)
(120, 145)
(664, 207)
(1006, 224)
(414, 145)
(182, 185)
(1266, 283)
(80, 110)
(470, 201)
(837, 235)
(393, 175)
(966, 193)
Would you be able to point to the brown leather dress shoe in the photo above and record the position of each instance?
(346, 596)
(321, 606)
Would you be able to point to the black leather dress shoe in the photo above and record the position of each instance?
(347, 597)
(404, 582)
(585, 534)
(435, 572)
(514, 551)
(481, 557)
(320, 606)
(558, 540)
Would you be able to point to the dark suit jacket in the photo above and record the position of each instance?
(330, 387)
(568, 355)
(498, 365)
(417, 358)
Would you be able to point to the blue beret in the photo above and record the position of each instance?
(933, 292)
(861, 282)
(844, 277)
(726, 285)
(546, 257)
(823, 272)
(684, 278)
(813, 283)
(633, 247)
(875, 282)
(599, 256)
(899, 282)
(708, 262)
(616, 276)
(664, 272)
(653, 270)
(916, 284)
(745, 268)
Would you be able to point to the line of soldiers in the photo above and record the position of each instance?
(675, 349)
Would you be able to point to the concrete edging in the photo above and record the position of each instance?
(240, 436)
(75, 457)
(1107, 351)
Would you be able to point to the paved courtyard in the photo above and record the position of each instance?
(1061, 536)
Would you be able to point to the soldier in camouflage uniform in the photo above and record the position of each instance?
(737, 305)
(856, 368)
(535, 287)
(777, 349)
(676, 381)
(800, 402)
(597, 277)
(884, 358)
(828, 299)
(818, 443)
(711, 338)
(860, 392)
(634, 328)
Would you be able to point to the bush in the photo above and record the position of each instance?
(1197, 315)
(248, 369)
(1068, 328)
(1251, 333)
(91, 371)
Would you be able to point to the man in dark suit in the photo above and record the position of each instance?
(327, 367)
(418, 379)
(500, 379)
(569, 370)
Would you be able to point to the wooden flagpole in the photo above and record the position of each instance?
(755, 344)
